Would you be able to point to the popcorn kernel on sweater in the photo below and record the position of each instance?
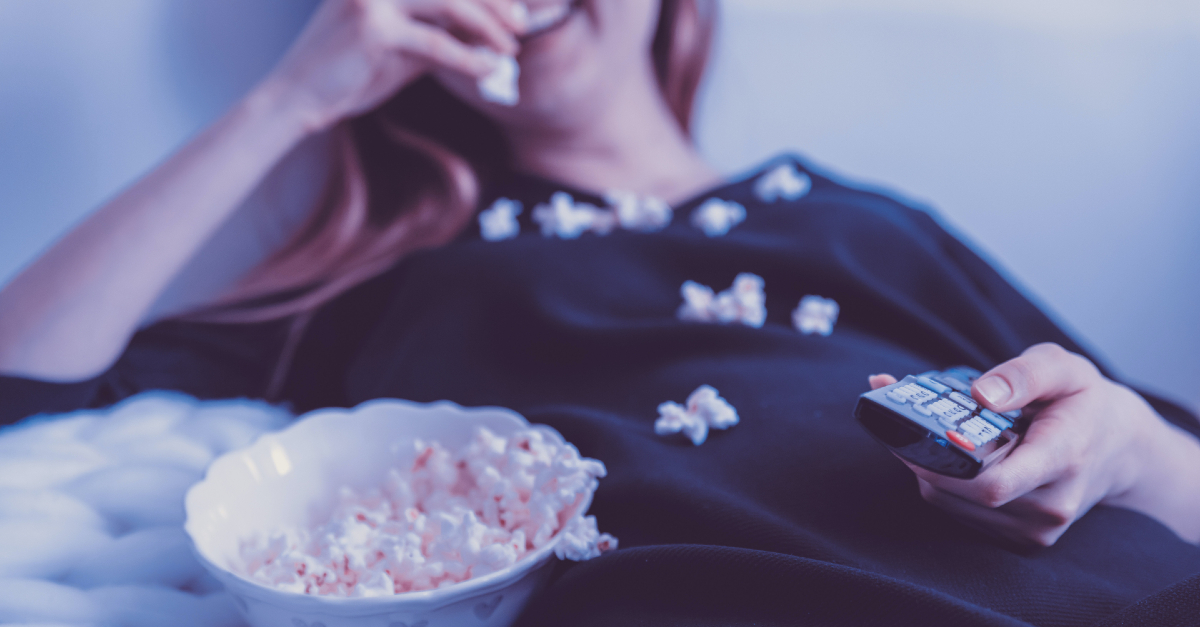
(704, 410)
(743, 303)
(784, 181)
(815, 315)
(499, 222)
(715, 216)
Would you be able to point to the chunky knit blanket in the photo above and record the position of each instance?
(91, 512)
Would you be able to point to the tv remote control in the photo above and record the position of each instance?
(931, 420)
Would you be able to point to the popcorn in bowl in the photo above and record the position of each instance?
(293, 500)
(450, 517)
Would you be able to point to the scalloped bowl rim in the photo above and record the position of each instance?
(427, 600)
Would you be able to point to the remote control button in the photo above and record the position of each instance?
(979, 430)
(964, 400)
(922, 409)
(932, 385)
(1012, 415)
(1000, 421)
(896, 397)
(920, 394)
(960, 440)
(949, 409)
(955, 382)
(903, 393)
(947, 422)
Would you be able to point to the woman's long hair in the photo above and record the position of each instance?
(408, 176)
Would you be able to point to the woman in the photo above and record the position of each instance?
(389, 290)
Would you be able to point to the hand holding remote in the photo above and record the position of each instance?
(1092, 441)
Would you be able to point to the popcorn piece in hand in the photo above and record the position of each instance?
(705, 410)
(500, 86)
(743, 303)
(715, 216)
(565, 218)
(815, 315)
(499, 222)
(644, 213)
(782, 182)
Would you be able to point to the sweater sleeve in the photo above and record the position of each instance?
(205, 360)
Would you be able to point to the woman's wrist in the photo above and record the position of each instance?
(280, 110)
(1167, 483)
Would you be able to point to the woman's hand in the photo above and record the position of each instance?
(68, 315)
(1091, 441)
(354, 54)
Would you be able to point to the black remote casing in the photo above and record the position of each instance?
(931, 421)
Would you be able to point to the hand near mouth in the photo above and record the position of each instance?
(354, 54)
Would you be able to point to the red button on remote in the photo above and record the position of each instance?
(960, 440)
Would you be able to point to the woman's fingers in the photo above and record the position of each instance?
(880, 380)
(507, 11)
(1037, 519)
(1044, 372)
(436, 46)
(1091, 441)
(1047, 453)
(475, 21)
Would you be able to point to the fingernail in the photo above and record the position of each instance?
(994, 390)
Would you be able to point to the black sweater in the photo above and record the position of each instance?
(794, 516)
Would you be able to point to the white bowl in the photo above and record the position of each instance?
(291, 478)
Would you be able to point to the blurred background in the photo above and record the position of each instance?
(1060, 137)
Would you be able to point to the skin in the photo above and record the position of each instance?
(1092, 441)
(591, 115)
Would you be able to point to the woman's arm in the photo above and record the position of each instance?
(69, 314)
(1092, 441)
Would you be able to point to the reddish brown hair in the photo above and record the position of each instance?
(408, 177)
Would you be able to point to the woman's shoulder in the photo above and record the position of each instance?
(790, 177)
(838, 205)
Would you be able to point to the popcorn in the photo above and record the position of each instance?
(639, 213)
(743, 303)
(715, 217)
(451, 517)
(499, 222)
(581, 540)
(815, 315)
(500, 86)
(782, 182)
(565, 218)
(705, 410)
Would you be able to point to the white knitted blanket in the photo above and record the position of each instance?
(91, 512)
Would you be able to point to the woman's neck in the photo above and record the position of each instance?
(629, 142)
